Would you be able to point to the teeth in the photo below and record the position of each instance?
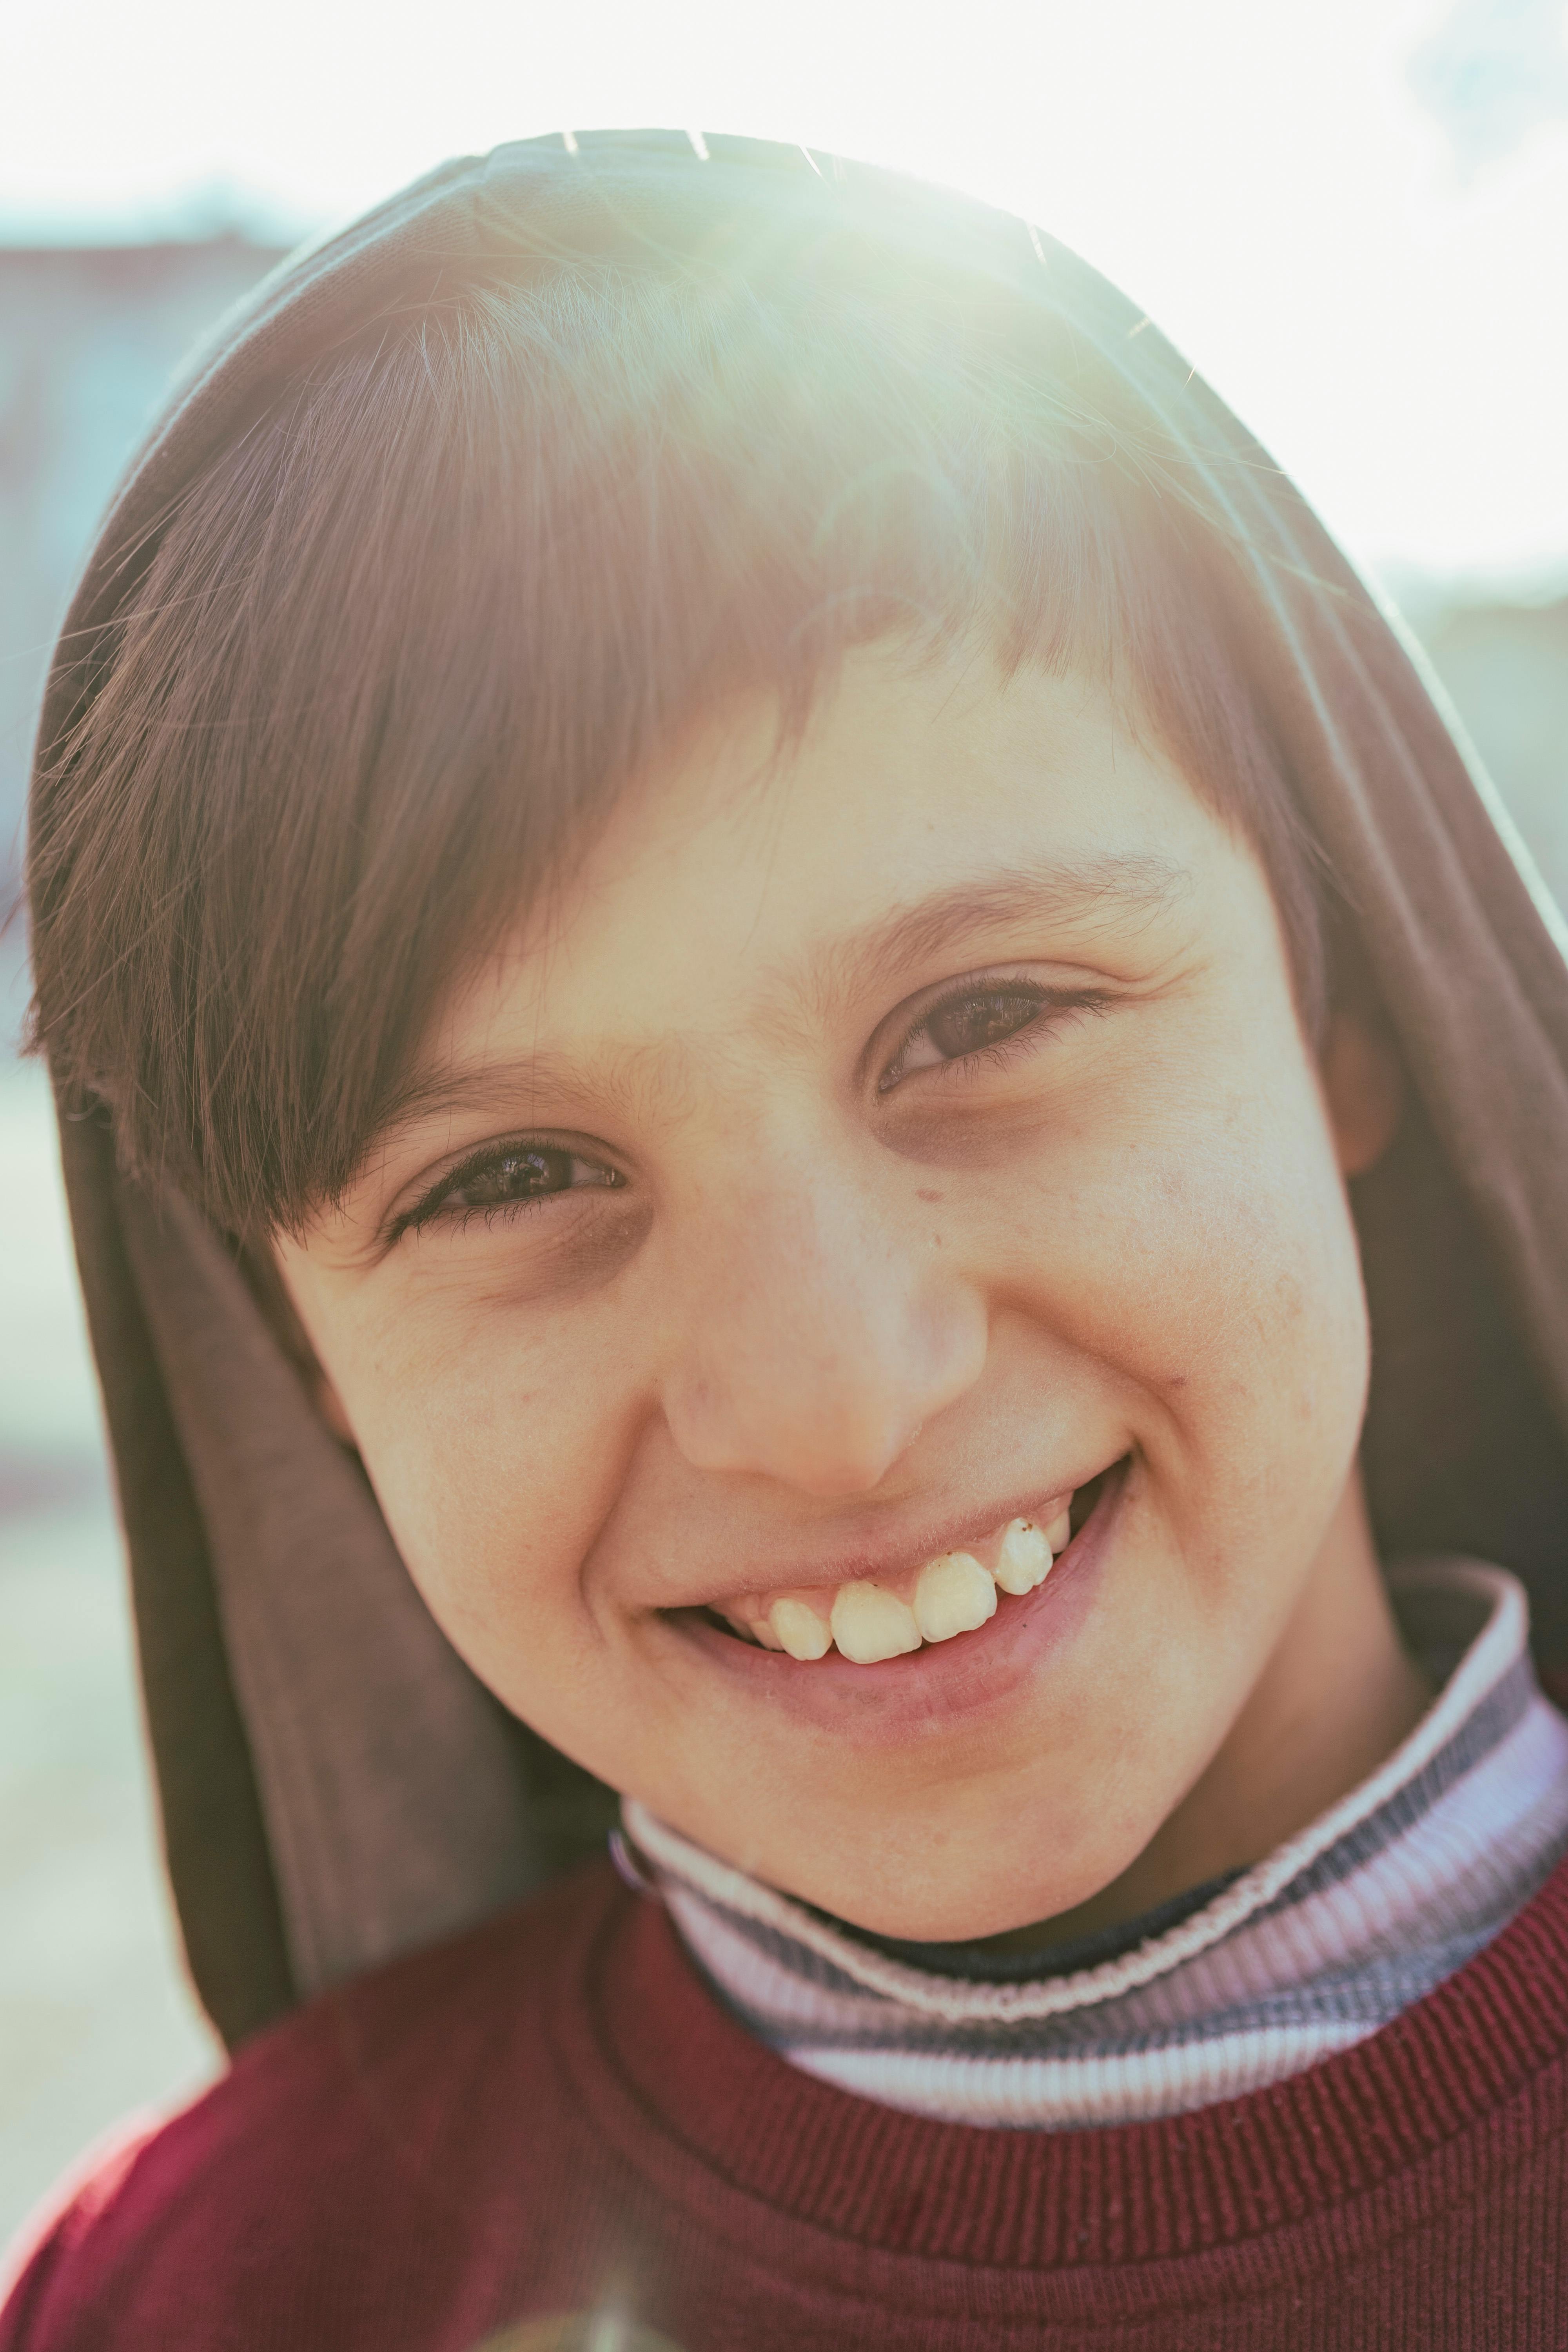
(954, 1595)
(749, 1613)
(1026, 1556)
(800, 1630)
(870, 1624)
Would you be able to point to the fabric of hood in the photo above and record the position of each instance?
(336, 1786)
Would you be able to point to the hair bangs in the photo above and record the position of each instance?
(400, 648)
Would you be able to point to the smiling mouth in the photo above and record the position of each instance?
(870, 1621)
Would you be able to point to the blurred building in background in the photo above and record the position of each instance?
(94, 2017)
(1505, 665)
(88, 340)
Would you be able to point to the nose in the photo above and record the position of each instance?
(825, 1334)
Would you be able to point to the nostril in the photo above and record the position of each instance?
(824, 1393)
(821, 1448)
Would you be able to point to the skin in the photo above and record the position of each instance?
(845, 1294)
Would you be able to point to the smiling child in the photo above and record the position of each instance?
(801, 1087)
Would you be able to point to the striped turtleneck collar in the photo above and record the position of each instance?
(1235, 1986)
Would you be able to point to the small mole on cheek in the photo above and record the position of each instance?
(927, 1196)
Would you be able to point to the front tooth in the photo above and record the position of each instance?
(800, 1630)
(1026, 1557)
(870, 1624)
(953, 1594)
(1059, 1535)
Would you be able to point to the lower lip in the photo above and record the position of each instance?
(930, 1688)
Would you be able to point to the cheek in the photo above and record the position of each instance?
(1210, 1274)
(493, 1455)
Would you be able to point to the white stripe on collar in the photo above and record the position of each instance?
(1318, 1945)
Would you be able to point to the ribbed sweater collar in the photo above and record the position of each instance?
(1400, 2125)
(1243, 1984)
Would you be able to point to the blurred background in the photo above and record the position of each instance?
(1353, 218)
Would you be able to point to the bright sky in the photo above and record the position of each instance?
(1353, 215)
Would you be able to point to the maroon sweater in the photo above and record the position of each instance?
(555, 2116)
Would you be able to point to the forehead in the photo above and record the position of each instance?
(739, 882)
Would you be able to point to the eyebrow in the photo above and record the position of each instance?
(626, 1076)
(825, 977)
(1109, 884)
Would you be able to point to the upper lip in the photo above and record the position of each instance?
(876, 1554)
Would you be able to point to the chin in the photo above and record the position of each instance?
(915, 1908)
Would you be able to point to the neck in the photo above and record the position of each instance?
(1338, 1695)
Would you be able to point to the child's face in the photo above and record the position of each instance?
(925, 1132)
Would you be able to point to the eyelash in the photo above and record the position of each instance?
(486, 1162)
(1058, 1001)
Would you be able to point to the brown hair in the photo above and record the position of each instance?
(401, 644)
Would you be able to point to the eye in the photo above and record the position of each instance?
(968, 1025)
(975, 1019)
(506, 1179)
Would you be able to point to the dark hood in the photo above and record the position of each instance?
(336, 1787)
